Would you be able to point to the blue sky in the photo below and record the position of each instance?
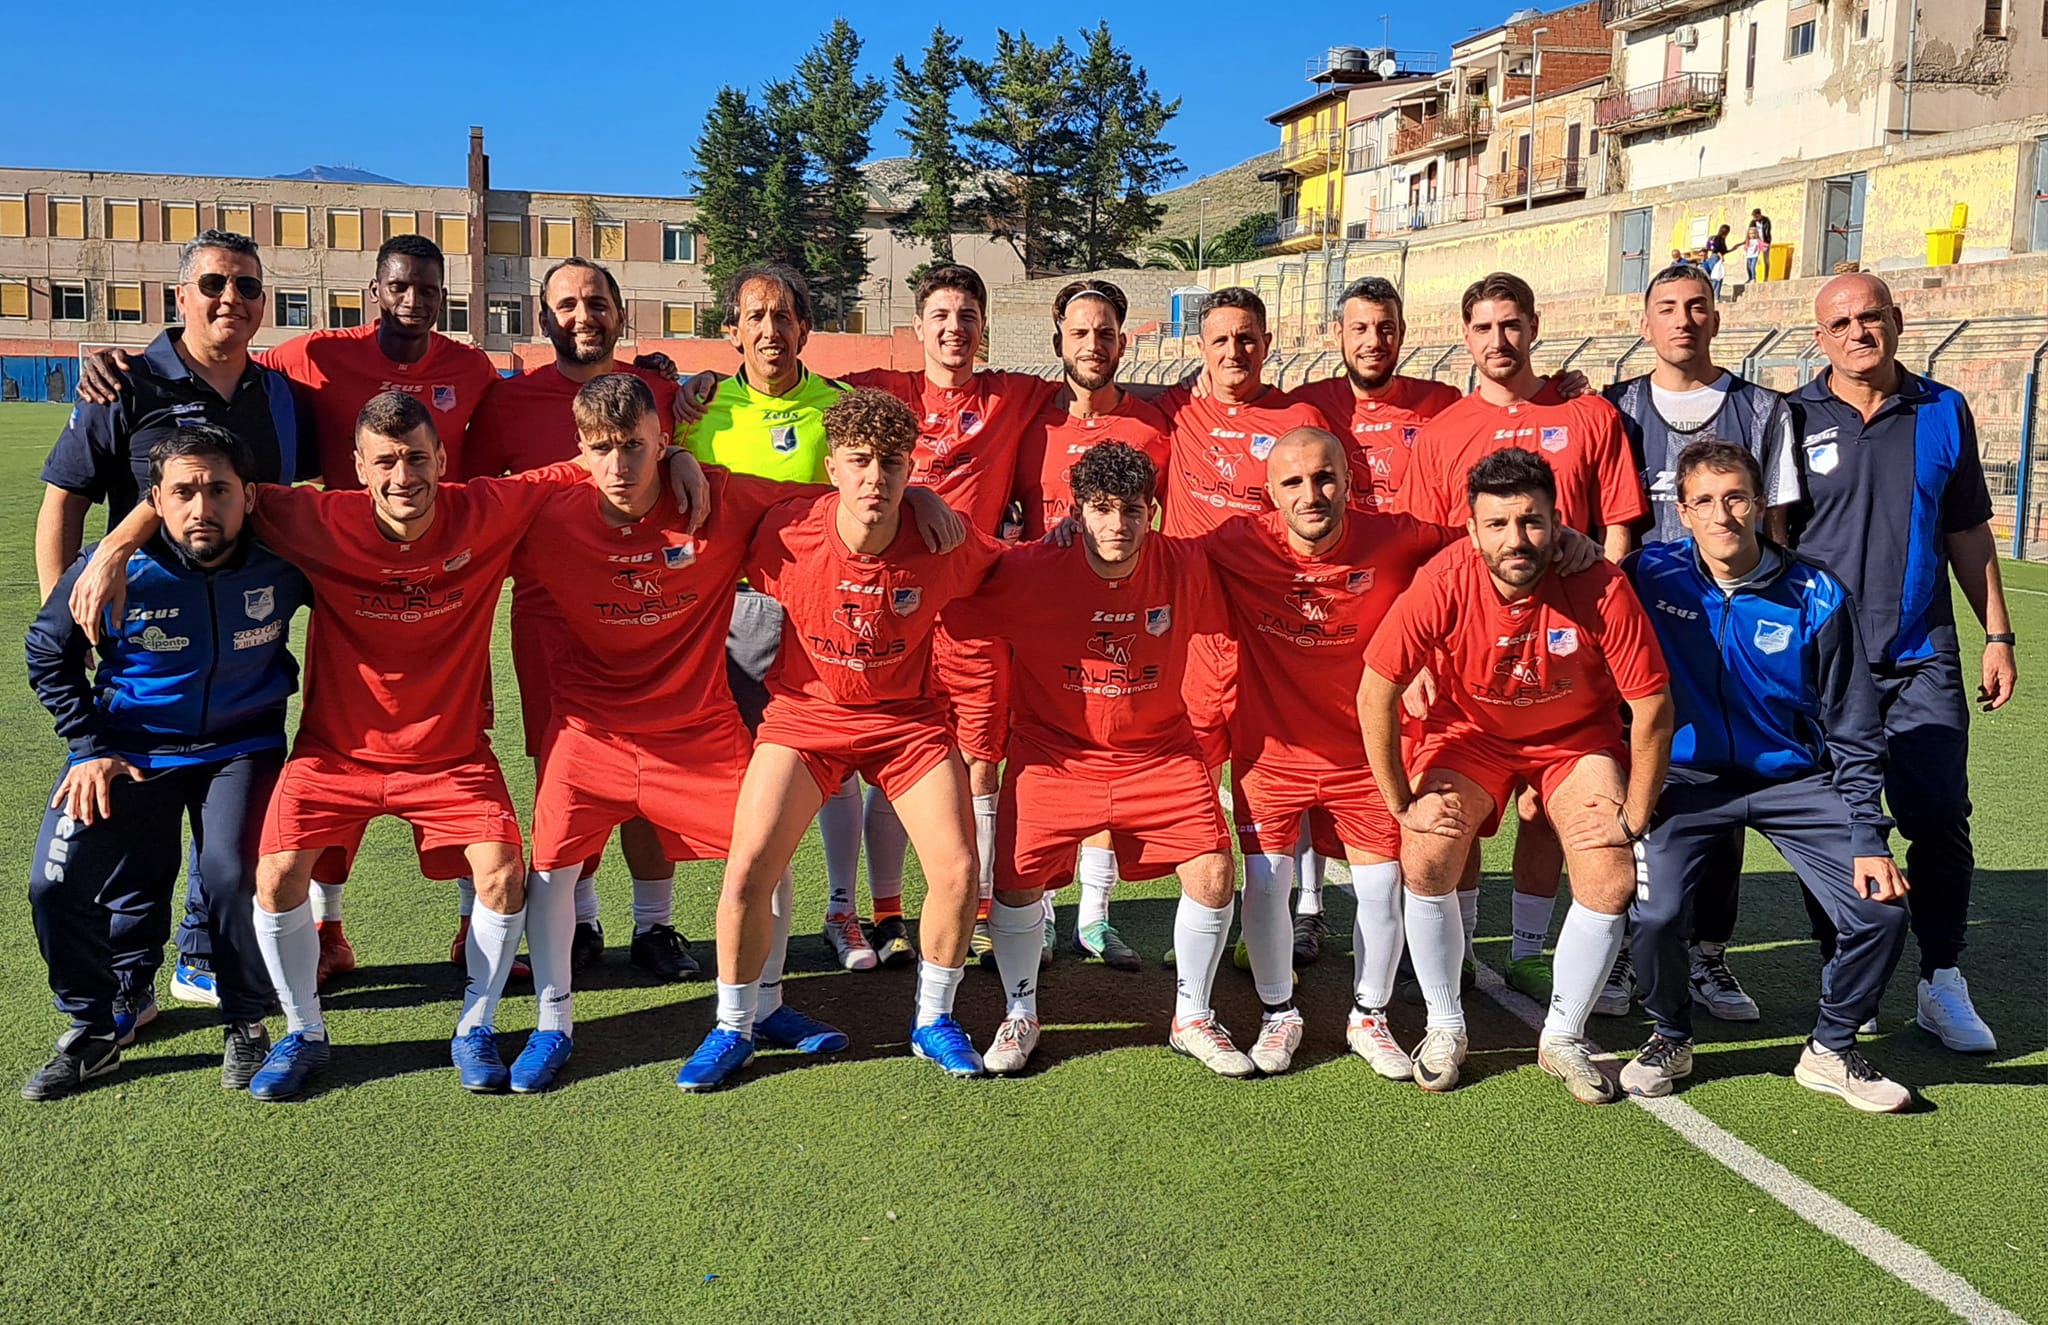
(269, 89)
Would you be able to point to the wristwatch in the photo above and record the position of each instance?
(2004, 637)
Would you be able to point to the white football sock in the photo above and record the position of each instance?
(1268, 935)
(550, 930)
(1468, 913)
(985, 843)
(1097, 872)
(888, 845)
(1018, 932)
(1531, 920)
(936, 986)
(326, 900)
(586, 899)
(1198, 934)
(736, 1008)
(493, 943)
(654, 903)
(1586, 949)
(465, 895)
(291, 955)
(1436, 944)
(839, 829)
(1376, 934)
(1308, 873)
(781, 905)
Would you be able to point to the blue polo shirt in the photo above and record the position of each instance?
(1881, 499)
(103, 452)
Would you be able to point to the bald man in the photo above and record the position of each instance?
(1892, 499)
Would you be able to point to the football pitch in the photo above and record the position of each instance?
(1112, 1182)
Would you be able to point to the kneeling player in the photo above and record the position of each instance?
(1544, 665)
(1100, 739)
(849, 694)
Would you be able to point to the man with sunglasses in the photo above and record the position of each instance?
(1893, 499)
(196, 373)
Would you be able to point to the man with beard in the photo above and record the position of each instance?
(1543, 665)
(529, 421)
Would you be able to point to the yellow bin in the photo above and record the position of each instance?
(1944, 247)
(1779, 260)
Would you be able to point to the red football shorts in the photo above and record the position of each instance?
(1344, 808)
(973, 681)
(685, 783)
(891, 746)
(1498, 765)
(539, 637)
(326, 800)
(1159, 818)
(1210, 690)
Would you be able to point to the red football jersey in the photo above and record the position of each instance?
(1097, 685)
(340, 370)
(1056, 439)
(1597, 483)
(1550, 668)
(1217, 465)
(528, 421)
(401, 640)
(857, 628)
(646, 605)
(1302, 623)
(967, 437)
(1383, 429)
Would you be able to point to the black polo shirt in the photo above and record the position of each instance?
(103, 452)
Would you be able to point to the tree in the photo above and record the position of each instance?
(1116, 120)
(1176, 254)
(1238, 243)
(1024, 147)
(730, 153)
(840, 107)
(783, 221)
(930, 126)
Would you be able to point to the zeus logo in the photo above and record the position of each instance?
(1115, 616)
(860, 622)
(1115, 648)
(848, 586)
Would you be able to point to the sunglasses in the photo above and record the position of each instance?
(213, 283)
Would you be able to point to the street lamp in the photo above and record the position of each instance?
(1201, 230)
(1529, 166)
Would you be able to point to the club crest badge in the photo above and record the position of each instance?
(258, 604)
(1562, 641)
(1358, 581)
(1822, 457)
(1553, 440)
(456, 562)
(675, 558)
(905, 601)
(1773, 636)
(783, 438)
(444, 398)
(1158, 620)
(1262, 445)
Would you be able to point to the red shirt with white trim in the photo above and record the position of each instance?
(1056, 439)
(1217, 465)
(967, 437)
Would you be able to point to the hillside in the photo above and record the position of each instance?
(1233, 194)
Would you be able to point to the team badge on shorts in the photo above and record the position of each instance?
(258, 604)
(905, 601)
(444, 398)
(1773, 636)
(1562, 641)
(456, 562)
(1262, 445)
(1358, 581)
(1158, 620)
(675, 558)
(1553, 439)
(783, 438)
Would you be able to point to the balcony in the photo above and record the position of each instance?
(1674, 101)
(1441, 132)
(1311, 153)
(1553, 177)
(1635, 15)
(1306, 230)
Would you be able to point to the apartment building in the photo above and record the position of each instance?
(1318, 150)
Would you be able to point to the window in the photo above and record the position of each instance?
(611, 240)
(1593, 143)
(124, 303)
(1749, 73)
(401, 223)
(289, 225)
(238, 217)
(454, 316)
(13, 216)
(294, 308)
(678, 243)
(1799, 40)
(345, 229)
(124, 219)
(1994, 18)
(678, 319)
(504, 234)
(344, 310)
(67, 218)
(557, 237)
(67, 301)
(172, 317)
(13, 297)
(451, 231)
(1863, 23)
(504, 317)
(181, 221)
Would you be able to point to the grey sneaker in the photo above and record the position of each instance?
(1849, 1075)
(1715, 987)
(247, 1044)
(1571, 1061)
(1619, 993)
(1658, 1064)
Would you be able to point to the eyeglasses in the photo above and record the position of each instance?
(213, 283)
(1870, 319)
(1737, 504)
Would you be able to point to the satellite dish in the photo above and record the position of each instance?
(1386, 68)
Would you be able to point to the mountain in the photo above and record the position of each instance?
(340, 175)
(1233, 193)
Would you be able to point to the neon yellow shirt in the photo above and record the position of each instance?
(777, 437)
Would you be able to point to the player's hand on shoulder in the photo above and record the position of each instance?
(1571, 383)
(937, 523)
(693, 491)
(658, 363)
(99, 594)
(87, 791)
(1576, 552)
(101, 376)
(693, 397)
(1063, 533)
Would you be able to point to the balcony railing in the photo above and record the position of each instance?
(1673, 101)
(1360, 159)
(1447, 129)
(1308, 225)
(1552, 177)
(1634, 15)
(1310, 145)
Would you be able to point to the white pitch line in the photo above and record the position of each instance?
(2038, 593)
(1883, 1248)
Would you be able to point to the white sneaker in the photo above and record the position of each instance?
(1619, 993)
(1850, 1075)
(1570, 1060)
(1371, 1039)
(1011, 1049)
(1715, 987)
(1438, 1058)
(1945, 1009)
(1205, 1041)
(850, 942)
(1279, 1037)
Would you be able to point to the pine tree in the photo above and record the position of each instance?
(929, 128)
(1022, 143)
(1116, 120)
(730, 151)
(782, 218)
(840, 107)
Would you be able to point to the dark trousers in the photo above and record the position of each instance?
(1805, 820)
(1713, 907)
(1927, 788)
(751, 644)
(91, 883)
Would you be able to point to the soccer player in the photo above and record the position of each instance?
(529, 421)
(1543, 665)
(1100, 742)
(1777, 729)
(1893, 500)
(1598, 494)
(1089, 409)
(198, 372)
(849, 695)
(182, 719)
